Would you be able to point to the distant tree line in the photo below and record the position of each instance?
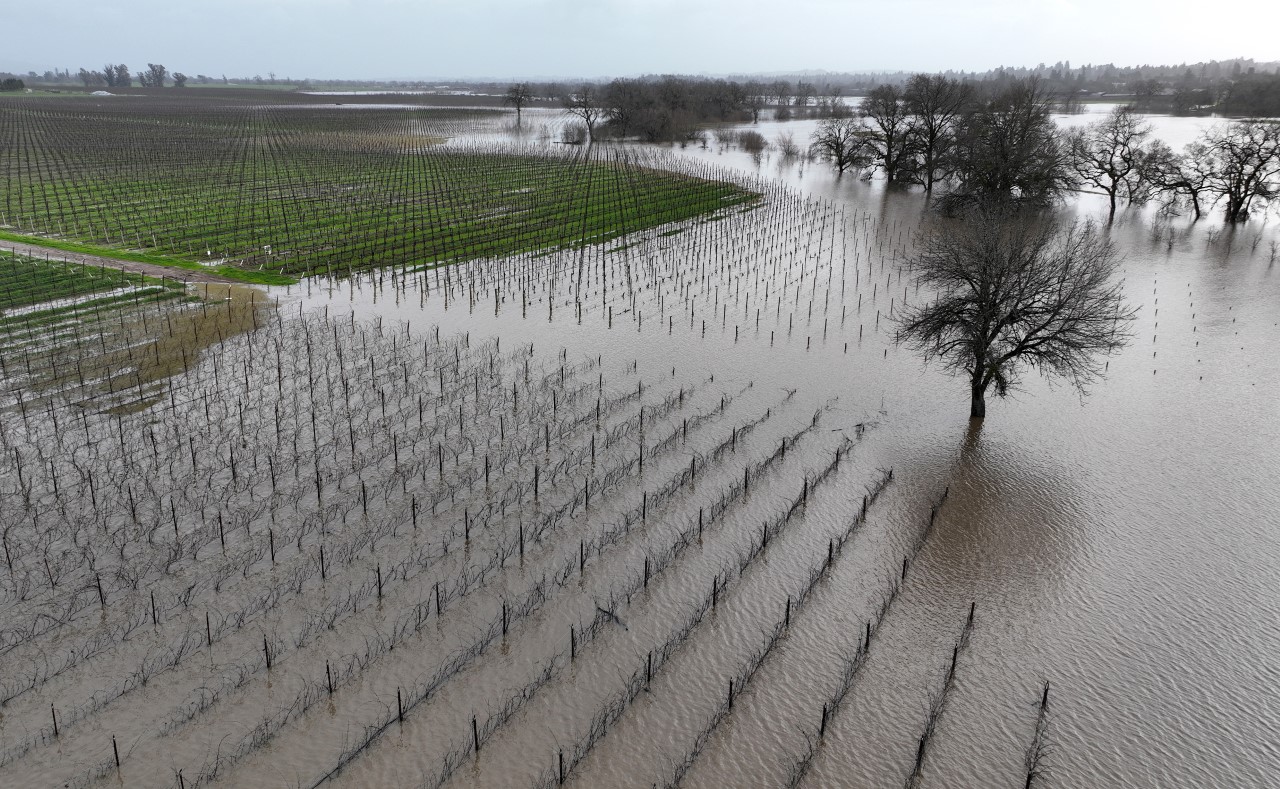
(667, 108)
(978, 143)
(119, 76)
(983, 144)
(1253, 94)
(10, 84)
(1240, 86)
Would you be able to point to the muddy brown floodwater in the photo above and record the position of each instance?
(625, 518)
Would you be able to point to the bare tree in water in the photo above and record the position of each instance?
(804, 91)
(583, 104)
(1108, 155)
(518, 95)
(845, 142)
(780, 92)
(936, 105)
(890, 128)
(1015, 291)
(1009, 151)
(755, 99)
(1177, 180)
(1244, 165)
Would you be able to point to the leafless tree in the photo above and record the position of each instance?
(804, 92)
(786, 145)
(832, 107)
(1175, 179)
(518, 95)
(1014, 291)
(624, 101)
(724, 98)
(1068, 102)
(1010, 151)
(1144, 90)
(936, 105)
(842, 141)
(1107, 154)
(755, 99)
(584, 105)
(780, 92)
(889, 128)
(1244, 165)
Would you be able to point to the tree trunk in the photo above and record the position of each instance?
(978, 408)
(1235, 209)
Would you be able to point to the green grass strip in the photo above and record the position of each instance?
(230, 272)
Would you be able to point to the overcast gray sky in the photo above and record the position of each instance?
(537, 38)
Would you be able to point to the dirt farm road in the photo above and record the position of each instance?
(132, 267)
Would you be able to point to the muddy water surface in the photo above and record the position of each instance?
(1121, 547)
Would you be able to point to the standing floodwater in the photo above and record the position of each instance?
(670, 509)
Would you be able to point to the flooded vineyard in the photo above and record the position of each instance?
(670, 508)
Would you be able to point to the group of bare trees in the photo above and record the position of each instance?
(910, 132)
(668, 108)
(119, 76)
(1236, 164)
(999, 146)
(111, 76)
(662, 109)
(784, 95)
(1004, 146)
(1014, 288)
